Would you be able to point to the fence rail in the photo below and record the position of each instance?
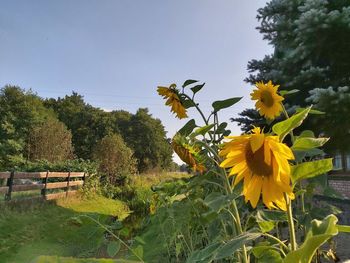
(42, 181)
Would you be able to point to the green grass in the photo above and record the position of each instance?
(148, 180)
(28, 230)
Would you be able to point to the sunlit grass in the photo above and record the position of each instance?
(47, 228)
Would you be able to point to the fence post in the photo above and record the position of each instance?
(10, 184)
(68, 184)
(43, 191)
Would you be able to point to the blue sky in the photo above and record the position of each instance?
(115, 53)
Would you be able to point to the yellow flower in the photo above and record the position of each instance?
(173, 100)
(262, 161)
(268, 101)
(187, 154)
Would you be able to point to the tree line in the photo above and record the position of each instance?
(311, 40)
(33, 128)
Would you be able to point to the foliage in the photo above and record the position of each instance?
(147, 137)
(50, 141)
(20, 111)
(46, 228)
(141, 132)
(205, 218)
(55, 259)
(310, 40)
(29, 130)
(115, 159)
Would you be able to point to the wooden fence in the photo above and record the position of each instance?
(42, 181)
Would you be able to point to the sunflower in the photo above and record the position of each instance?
(268, 101)
(187, 153)
(262, 161)
(171, 94)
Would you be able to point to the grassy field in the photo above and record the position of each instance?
(54, 228)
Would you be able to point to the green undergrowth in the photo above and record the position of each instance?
(31, 229)
(55, 259)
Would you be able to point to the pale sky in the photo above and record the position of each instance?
(116, 53)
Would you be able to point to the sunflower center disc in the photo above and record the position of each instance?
(266, 98)
(256, 163)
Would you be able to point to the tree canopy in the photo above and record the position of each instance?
(311, 40)
(34, 128)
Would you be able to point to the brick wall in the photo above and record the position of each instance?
(341, 186)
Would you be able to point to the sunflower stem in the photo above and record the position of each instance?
(287, 117)
(293, 242)
(237, 221)
(198, 109)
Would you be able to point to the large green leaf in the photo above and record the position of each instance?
(204, 255)
(319, 233)
(222, 104)
(310, 169)
(284, 127)
(197, 88)
(189, 82)
(234, 244)
(188, 128)
(307, 143)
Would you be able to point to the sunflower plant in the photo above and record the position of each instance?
(250, 198)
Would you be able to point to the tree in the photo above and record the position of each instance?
(51, 141)
(19, 112)
(87, 123)
(310, 40)
(147, 137)
(115, 159)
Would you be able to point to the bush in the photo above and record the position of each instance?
(115, 160)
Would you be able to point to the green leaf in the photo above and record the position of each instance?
(344, 229)
(234, 244)
(284, 127)
(315, 112)
(304, 143)
(113, 248)
(319, 233)
(266, 226)
(205, 254)
(197, 88)
(221, 128)
(138, 251)
(271, 215)
(188, 128)
(307, 133)
(124, 232)
(203, 130)
(189, 82)
(187, 103)
(310, 169)
(288, 92)
(222, 104)
(266, 254)
(216, 200)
